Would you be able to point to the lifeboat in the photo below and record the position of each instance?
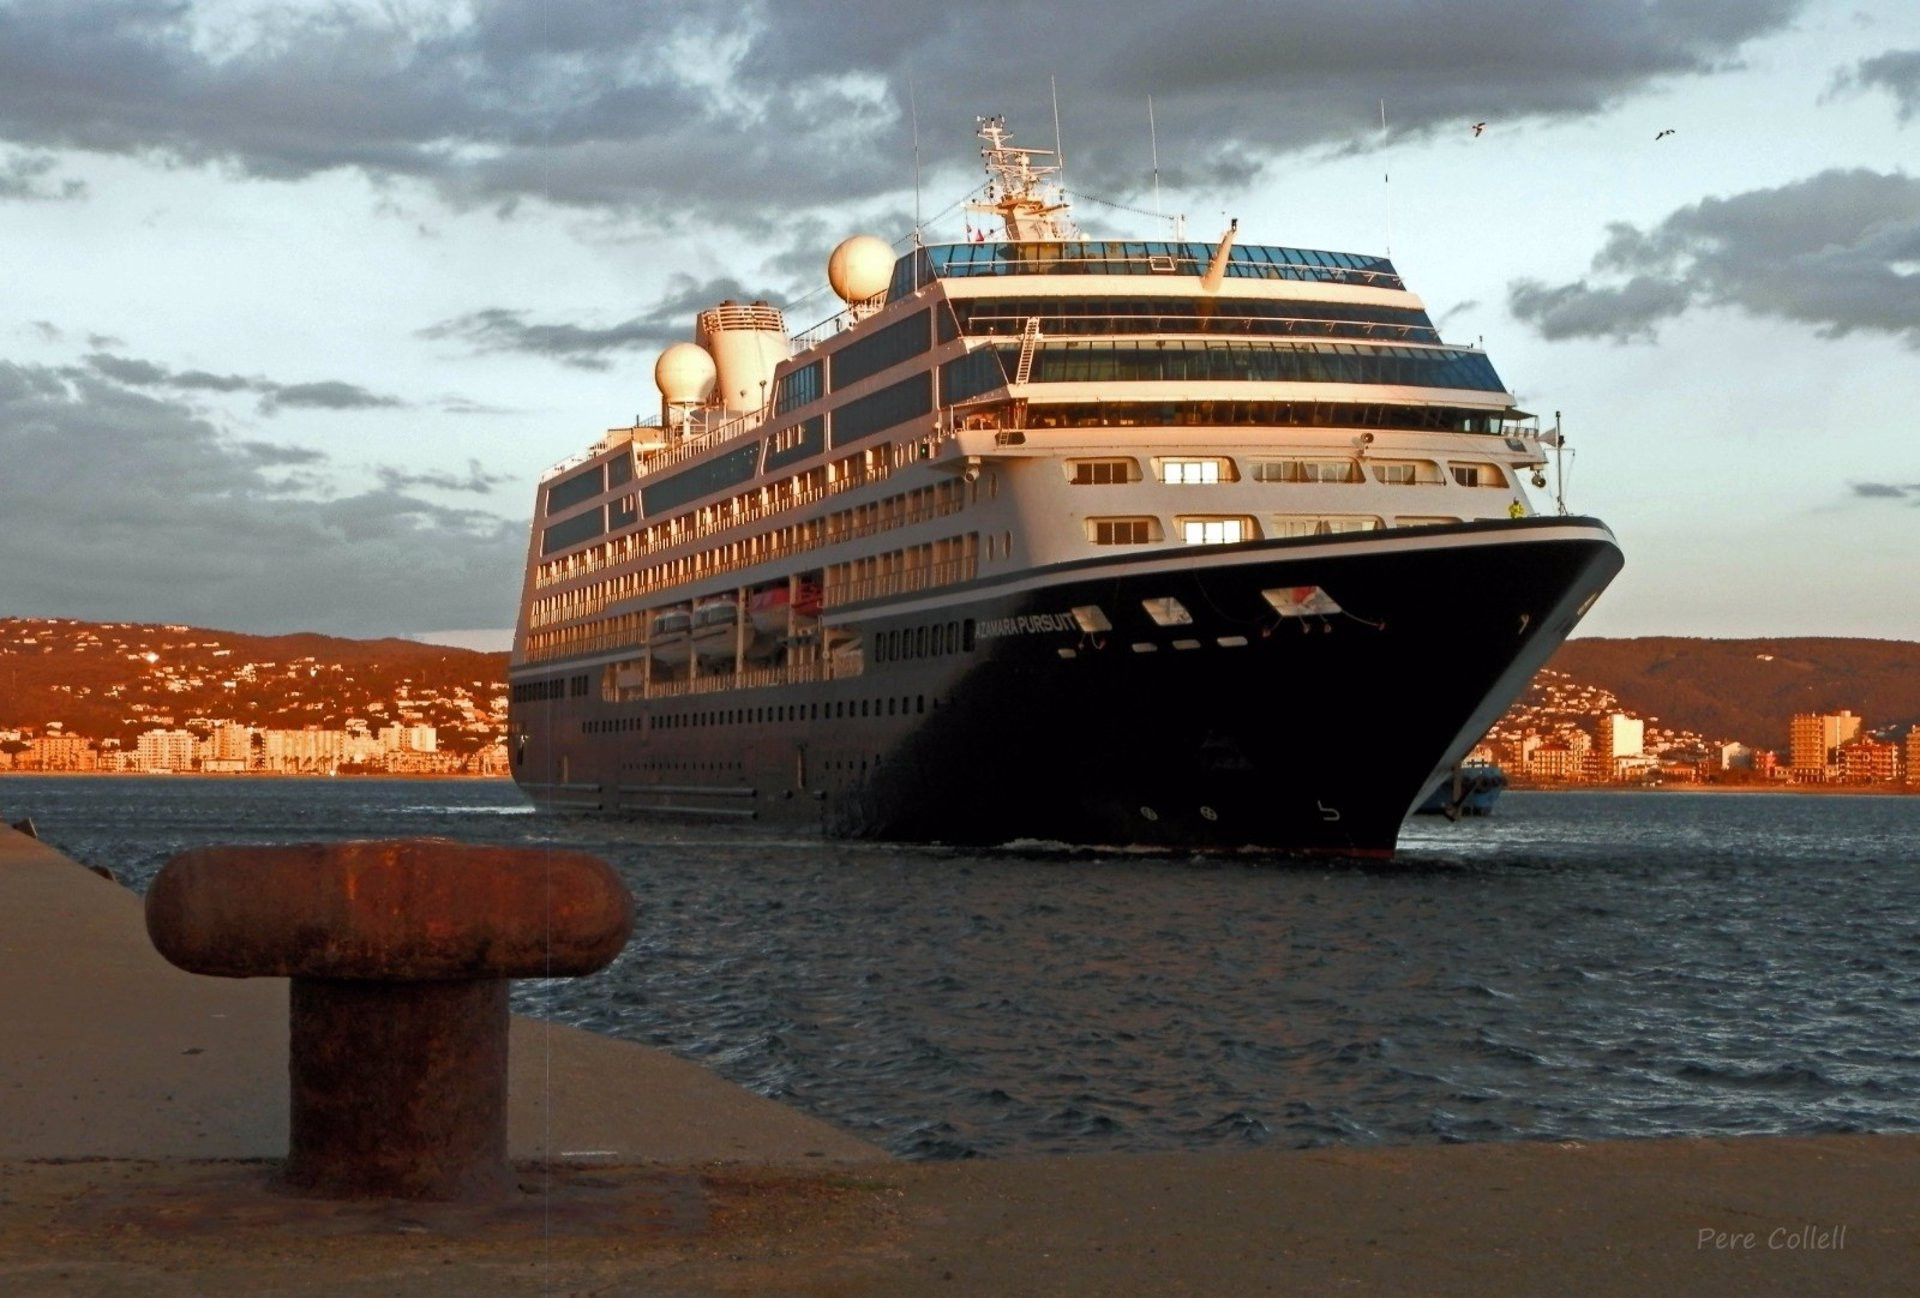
(715, 631)
(668, 637)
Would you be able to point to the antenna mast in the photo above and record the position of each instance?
(1386, 181)
(1153, 139)
(1559, 467)
(1023, 193)
(1059, 155)
(913, 115)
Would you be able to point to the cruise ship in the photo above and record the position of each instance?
(1049, 538)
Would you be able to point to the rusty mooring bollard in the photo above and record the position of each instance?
(399, 952)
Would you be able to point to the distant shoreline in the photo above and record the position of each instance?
(250, 775)
(1813, 790)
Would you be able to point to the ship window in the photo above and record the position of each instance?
(1174, 315)
(1301, 601)
(1322, 524)
(582, 486)
(1405, 472)
(571, 532)
(1216, 531)
(970, 375)
(934, 646)
(1091, 619)
(920, 643)
(882, 349)
(792, 444)
(1478, 475)
(1123, 531)
(1413, 520)
(1196, 471)
(894, 404)
(1167, 611)
(798, 388)
(1258, 361)
(1307, 471)
(1093, 473)
(966, 635)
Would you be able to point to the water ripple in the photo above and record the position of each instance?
(1577, 966)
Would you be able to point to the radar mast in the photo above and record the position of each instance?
(1032, 206)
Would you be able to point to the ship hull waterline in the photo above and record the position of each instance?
(1242, 727)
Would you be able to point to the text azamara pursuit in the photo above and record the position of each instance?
(1049, 538)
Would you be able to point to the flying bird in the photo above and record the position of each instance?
(1664, 134)
(1479, 127)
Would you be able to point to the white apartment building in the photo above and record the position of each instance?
(168, 750)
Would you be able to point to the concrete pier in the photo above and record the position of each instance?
(143, 1111)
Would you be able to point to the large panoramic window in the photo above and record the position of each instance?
(882, 350)
(571, 532)
(1137, 257)
(796, 443)
(582, 486)
(1190, 360)
(893, 404)
(731, 469)
(1188, 315)
(970, 375)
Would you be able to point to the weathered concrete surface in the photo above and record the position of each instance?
(106, 1050)
(1622, 1218)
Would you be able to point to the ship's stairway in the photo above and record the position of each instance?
(1029, 343)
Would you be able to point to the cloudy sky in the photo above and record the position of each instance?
(298, 299)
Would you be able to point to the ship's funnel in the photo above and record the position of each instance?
(746, 342)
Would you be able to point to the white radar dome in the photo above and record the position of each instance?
(685, 374)
(860, 268)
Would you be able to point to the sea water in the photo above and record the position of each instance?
(1574, 966)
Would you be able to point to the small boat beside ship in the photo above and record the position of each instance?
(1470, 790)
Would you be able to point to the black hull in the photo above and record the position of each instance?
(1242, 728)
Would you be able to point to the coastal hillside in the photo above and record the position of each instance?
(1748, 690)
(113, 680)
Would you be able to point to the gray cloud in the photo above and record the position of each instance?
(1834, 251)
(477, 480)
(586, 103)
(26, 176)
(503, 329)
(327, 394)
(1897, 72)
(125, 505)
(1879, 490)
